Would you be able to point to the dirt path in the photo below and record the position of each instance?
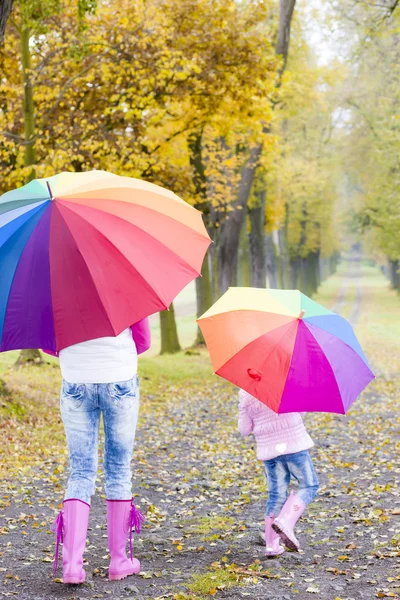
(204, 494)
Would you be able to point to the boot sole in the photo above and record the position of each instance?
(73, 580)
(289, 543)
(275, 554)
(119, 576)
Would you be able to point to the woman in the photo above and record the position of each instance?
(100, 376)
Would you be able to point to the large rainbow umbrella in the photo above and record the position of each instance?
(85, 255)
(289, 352)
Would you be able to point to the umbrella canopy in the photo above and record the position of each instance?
(85, 255)
(289, 352)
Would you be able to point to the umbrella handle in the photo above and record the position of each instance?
(254, 374)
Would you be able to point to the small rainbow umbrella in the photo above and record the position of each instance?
(289, 352)
(85, 255)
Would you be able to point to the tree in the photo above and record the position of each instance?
(5, 11)
(169, 333)
(371, 97)
(230, 235)
(30, 24)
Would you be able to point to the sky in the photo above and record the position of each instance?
(327, 42)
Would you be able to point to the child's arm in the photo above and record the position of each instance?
(245, 423)
(141, 335)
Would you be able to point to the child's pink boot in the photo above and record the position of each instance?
(287, 519)
(272, 545)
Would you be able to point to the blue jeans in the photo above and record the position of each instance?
(81, 405)
(279, 470)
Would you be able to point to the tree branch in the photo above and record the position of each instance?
(368, 122)
(63, 92)
(17, 138)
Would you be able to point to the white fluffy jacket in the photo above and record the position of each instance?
(275, 434)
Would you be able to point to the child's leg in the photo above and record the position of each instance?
(278, 478)
(301, 467)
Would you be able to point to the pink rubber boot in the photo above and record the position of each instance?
(71, 527)
(122, 518)
(272, 545)
(287, 519)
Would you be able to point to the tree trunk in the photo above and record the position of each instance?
(213, 251)
(323, 268)
(229, 243)
(316, 270)
(28, 356)
(203, 295)
(271, 255)
(333, 263)
(4, 391)
(286, 8)
(295, 266)
(169, 333)
(29, 109)
(230, 231)
(284, 263)
(310, 278)
(5, 10)
(243, 278)
(394, 274)
(258, 250)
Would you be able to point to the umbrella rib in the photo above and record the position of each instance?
(75, 187)
(104, 212)
(363, 357)
(35, 211)
(90, 274)
(164, 305)
(67, 198)
(26, 202)
(330, 366)
(155, 189)
(254, 339)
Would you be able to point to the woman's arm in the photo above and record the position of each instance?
(141, 335)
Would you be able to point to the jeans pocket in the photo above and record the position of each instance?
(72, 395)
(123, 393)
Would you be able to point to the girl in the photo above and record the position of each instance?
(100, 376)
(283, 444)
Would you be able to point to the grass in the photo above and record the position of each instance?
(174, 369)
(378, 328)
(209, 527)
(207, 584)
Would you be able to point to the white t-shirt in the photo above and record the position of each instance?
(105, 360)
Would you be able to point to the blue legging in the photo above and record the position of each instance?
(81, 406)
(279, 470)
